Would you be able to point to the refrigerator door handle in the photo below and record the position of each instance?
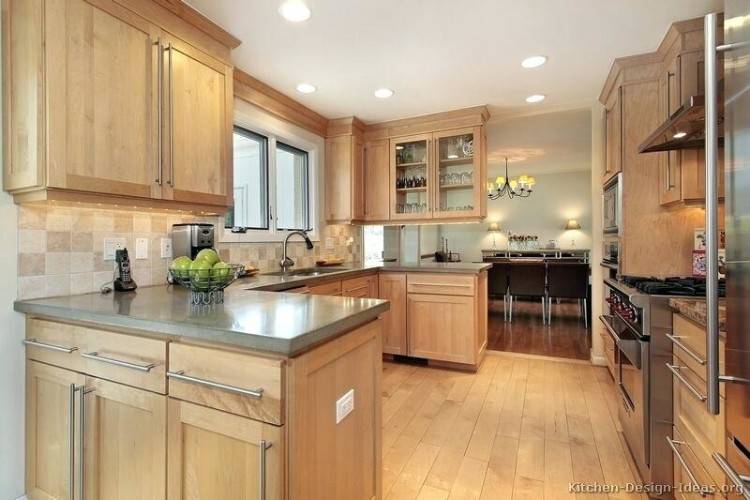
(712, 209)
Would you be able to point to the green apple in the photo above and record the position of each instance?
(208, 254)
(181, 266)
(221, 272)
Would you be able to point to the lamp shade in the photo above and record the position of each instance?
(572, 224)
(493, 227)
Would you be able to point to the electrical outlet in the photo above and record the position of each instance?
(329, 243)
(344, 405)
(166, 248)
(112, 244)
(141, 248)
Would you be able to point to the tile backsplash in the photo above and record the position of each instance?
(60, 249)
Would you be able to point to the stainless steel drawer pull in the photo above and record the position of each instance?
(82, 440)
(676, 341)
(453, 285)
(51, 347)
(703, 490)
(112, 361)
(740, 482)
(264, 445)
(180, 375)
(676, 371)
(71, 439)
(734, 380)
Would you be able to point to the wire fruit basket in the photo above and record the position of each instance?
(206, 285)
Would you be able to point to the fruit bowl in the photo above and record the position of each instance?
(206, 285)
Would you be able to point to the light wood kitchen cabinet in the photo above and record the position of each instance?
(361, 287)
(213, 454)
(412, 177)
(125, 437)
(377, 180)
(441, 327)
(392, 287)
(330, 288)
(344, 171)
(51, 431)
(459, 185)
(613, 126)
(128, 114)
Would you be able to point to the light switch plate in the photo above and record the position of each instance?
(112, 244)
(344, 405)
(166, 248)
(141, 248)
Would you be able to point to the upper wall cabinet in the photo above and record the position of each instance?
(427, 168)
(128, 113)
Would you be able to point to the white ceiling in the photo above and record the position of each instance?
(444, 54)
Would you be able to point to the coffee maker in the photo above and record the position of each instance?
(189, 239)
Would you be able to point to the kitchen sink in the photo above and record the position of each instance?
(308, 272)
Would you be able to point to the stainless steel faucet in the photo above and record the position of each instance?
(286, 262)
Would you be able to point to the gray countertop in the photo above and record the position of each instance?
(251, 316)
(281, 323)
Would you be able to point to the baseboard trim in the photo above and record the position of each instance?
(538, 357)
(23, 498)
(598, 360)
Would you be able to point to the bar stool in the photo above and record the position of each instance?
(568, 280)
(527, 279)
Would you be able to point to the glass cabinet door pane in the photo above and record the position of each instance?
(412, 177)
(456, 173)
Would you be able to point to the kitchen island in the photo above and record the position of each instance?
(141, 395)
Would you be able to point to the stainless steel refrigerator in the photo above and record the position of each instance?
(736, 374)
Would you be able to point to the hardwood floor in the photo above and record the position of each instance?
(566, 337)
(517, 429)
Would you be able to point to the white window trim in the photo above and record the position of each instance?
(315, 160)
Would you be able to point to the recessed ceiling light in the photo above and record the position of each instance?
(306, 88)
(383, 93)
(294, 10)
(533, 61)
(679, 135)
(536, 98)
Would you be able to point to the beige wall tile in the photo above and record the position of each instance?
(57, 263)
(82, 262)
(82, 241)
(32, 241)
(81, 283)
(103, 222)
(142, 223)
(31, 264)
(83, 220)
(123, 223)
(59, 219)
(31, 287)
(56, 286)
(58, 241)
(32, 217)
(102, 277)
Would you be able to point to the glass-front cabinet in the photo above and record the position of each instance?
(411, 177)
(437, 175)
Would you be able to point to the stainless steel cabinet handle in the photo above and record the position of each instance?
(82, 440)
(72, 439)
(734, 380)
(51, 347)
(676, 341)
(264, 445)
(676, 371)
(159, 104)
(112, 361)
(712, 210)
(740, 481)
(180, 375)
(171, 116)
(450, 285)
(701, 488)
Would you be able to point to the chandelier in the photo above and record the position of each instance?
(521, 187)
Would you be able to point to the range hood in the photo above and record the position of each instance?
(685, 129)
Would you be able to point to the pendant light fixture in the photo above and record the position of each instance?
(521, 187)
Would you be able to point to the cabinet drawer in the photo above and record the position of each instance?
(609, 352)
(238, 383)
(704, 432)
(440, 284)
(53, 343)
(128, 359)
(330, 288)
(689, 344)
(690, 475)
(358, 287)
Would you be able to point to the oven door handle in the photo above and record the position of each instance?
(606, 318)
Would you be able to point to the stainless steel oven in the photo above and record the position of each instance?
(612, 205)
(611, 250)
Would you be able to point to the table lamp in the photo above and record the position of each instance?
(493, 228)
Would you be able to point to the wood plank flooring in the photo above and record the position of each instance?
(566, 337)
(519, 428)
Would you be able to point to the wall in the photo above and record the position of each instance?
(598, 158)
(11, 361)
(557, 198)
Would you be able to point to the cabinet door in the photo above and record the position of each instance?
(613, 124)
(339, 179)
(392, 287)
(103, 99)
(459, 181)
(442, 327)
(377, 180)
(197, 126)
(51, 444)
(670, 190)
(358, 178)
(212, 454)
(412, 176)
(124, 441)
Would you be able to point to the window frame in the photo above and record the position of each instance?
(236, 129)
(280, 145)
(314, 164)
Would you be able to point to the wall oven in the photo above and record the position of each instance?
(612, 205)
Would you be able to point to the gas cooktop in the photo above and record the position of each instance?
(690, 287)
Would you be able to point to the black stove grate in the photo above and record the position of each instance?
(688, 287)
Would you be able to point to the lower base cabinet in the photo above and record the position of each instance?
(441, 327)
(213, 454)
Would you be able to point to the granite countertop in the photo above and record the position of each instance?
(695, 309)
(281, 323)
